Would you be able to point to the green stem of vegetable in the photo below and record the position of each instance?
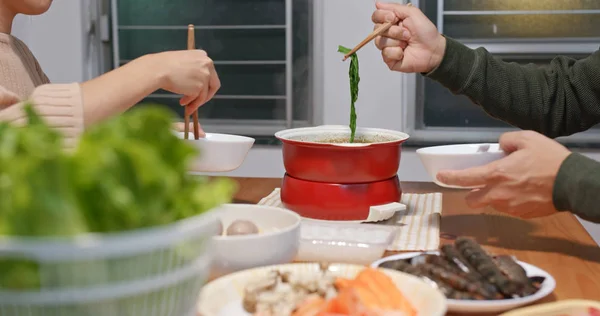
(354, 80)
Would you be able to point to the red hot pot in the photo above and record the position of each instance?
(323, 154)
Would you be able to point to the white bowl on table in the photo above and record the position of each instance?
(458, 157)
(219, 152)
(277, 242)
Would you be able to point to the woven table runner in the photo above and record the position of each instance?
(418, 225)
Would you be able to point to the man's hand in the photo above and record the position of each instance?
(521, 183)
(413, 44)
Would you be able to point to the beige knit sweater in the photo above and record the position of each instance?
(21, 79)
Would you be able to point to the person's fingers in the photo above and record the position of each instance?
(391, 63)
(201, 133)
(477, 176)
(512, 141)
(383, 42)
(478, 198)
(401, 11)
(8, 97)
(214, 84)
(393, 53)
(200, 100)
(397, 32)
(383, 16)
(186, 99)
(180, 127)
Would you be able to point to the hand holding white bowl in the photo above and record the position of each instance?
(458, 157)
(520, 184)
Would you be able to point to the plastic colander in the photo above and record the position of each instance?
(148, 272)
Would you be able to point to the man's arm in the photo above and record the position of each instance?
(556, 100)
(577, 187)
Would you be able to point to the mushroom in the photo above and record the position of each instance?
(242, 227)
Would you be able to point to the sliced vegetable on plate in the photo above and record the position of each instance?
(372, 292)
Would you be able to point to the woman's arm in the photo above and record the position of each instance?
(117, 90)
(190, 73)
(560, 99)
(59, 104)
(70, 107)
(576, 187)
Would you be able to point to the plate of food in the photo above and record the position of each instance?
(302, 289)
(473, 280)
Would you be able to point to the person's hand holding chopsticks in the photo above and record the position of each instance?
(180, 127)
(190, 73)
(413, 44)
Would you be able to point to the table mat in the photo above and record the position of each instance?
(418, 225)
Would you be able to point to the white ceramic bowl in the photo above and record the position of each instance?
(219, 152)
(277, 242)
(457, 157)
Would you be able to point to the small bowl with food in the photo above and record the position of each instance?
(218, 152)
(458, 157)
(253, 236)
(325, 154)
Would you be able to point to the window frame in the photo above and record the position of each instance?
(265, 127)
(413, 96)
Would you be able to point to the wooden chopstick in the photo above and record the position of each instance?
(374, 34)
(191, 44)
(380, 30)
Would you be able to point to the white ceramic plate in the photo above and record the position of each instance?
(223, 297)
(219, 152)
(464, 306)
(457, 157)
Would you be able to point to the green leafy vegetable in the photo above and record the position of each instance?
(128, 173)
(36, 193)
(354, 80)
(137, 168)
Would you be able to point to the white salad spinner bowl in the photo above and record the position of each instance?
(147, 272)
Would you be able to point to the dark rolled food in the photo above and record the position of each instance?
(485, 265)
(464, 271)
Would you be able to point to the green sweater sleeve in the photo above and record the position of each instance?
(577, 187)
(557, 100)
(560, 99)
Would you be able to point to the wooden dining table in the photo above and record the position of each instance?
(558, 244)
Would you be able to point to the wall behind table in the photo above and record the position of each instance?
(57, 39)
